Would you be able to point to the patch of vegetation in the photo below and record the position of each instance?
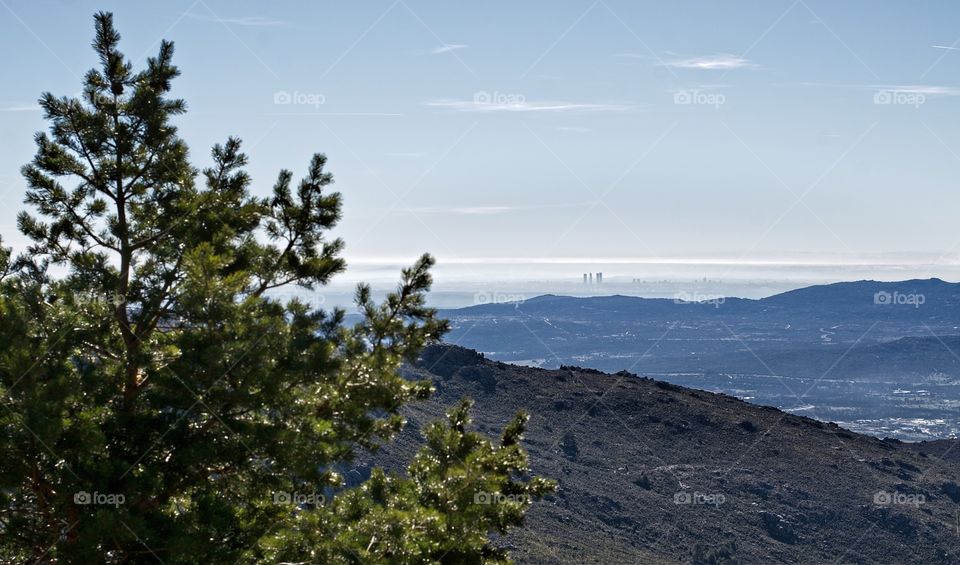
(720, 555)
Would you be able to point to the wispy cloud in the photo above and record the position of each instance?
(925, 89)
(448, 47)
(947, 47)
(463, 210)
(522, 105)
(722, 62)
(410, 154)
(491, 210)
(252, 21)
(483, 210)
(21, 108)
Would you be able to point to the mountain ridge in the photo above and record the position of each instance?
(932, 283)
(842, 344)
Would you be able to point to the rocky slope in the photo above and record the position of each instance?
(654, 473)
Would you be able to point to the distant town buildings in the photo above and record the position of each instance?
(704, 281)
(588, 278)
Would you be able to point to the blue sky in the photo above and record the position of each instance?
(550, 131)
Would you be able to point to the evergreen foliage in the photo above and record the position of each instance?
(162, 405)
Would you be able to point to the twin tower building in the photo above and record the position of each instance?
(588, 278)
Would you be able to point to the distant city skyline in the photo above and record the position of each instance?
(797, 133)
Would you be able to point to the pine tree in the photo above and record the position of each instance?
(161, 404)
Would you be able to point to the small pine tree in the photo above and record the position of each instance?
(160, 405)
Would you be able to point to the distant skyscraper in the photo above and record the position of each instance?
(591, 278)
(584, 278)
(599, 278)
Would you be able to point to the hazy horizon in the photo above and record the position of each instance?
(460, 284)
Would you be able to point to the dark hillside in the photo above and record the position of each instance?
(651, 472)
